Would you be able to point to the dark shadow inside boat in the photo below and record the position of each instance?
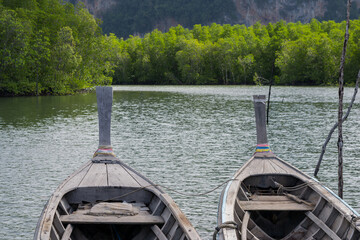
(277, 203)
(94, 213)
(108, 232)
(114, 194)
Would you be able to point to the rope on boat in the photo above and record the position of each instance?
(262, 148)
(355, 218)
(229, 224)
(199, 194)
(107, 151)
(290, 189)
(172, 190)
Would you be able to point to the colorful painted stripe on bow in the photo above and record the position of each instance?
(262, 148)
(104, 151)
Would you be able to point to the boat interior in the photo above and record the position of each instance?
(93, 213)
(284, 207)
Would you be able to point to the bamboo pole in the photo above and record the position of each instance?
(340, 111)
(268, 105)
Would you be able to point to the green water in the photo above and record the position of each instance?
(190, 139)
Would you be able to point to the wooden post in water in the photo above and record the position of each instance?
(104, 102)
(260, 118)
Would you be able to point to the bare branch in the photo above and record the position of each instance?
(336, 125)
(340, 111)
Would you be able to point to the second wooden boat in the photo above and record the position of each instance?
(270, 199)
(106, 199)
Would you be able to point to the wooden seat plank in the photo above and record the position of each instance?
(126, 220)
(274, 206)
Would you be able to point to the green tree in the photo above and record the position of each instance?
(64, 61)
(189, 61)
(14, 47)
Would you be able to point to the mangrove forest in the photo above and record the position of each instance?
(54, 47)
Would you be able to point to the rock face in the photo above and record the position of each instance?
(96, 7)
(251, 11)
(247, 12)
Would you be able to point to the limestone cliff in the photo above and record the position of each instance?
(251, 11)
(96, 7)
(125, 17)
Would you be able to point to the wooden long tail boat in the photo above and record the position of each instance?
(106, 199)
(270, 199)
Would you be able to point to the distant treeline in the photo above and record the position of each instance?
(52, 47)
(285, 53)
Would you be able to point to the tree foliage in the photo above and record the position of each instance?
(286, 53)
(50, 47)
(53, 47)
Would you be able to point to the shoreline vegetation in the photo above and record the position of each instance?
(49, 47)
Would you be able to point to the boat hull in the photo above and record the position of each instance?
(282, 203)
(106, 199)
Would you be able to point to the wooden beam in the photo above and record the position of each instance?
(322, 225)
(244, 225)
(59, 227)
(104, 103)
(53, 234)
(159, 234)
(259, 105)
(68, 230)
(126, 220)
(274, 206)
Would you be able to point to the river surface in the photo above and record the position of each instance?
(189, 139)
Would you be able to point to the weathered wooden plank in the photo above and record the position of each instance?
(269, 198)
(74, 180)
(154, 203)
(64, 206)
(183, 236)
(128, 220)
(53, 234)
(343, 227)
(322, 225)
(96, 176)
(182, 220)
(158, 208)
(104, 102)
(59, 227)
(169, 221)
(274, 206)
(325, 212)
(159, 234)
(119, 176)
(68, 230)
(244, 225)
(175, 232)
(259, 106)
(138, 178)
